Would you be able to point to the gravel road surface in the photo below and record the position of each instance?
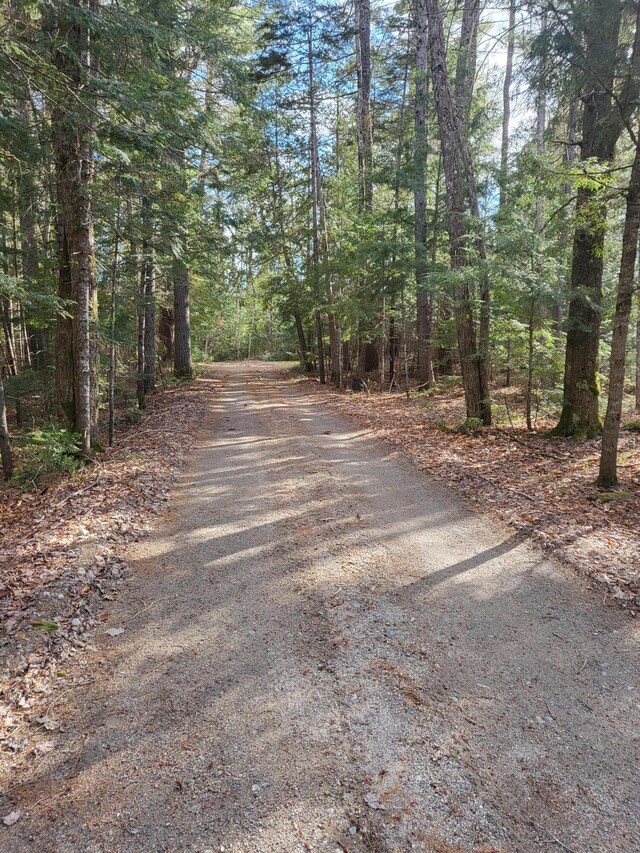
(325, 650)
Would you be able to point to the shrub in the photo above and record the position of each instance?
(44, 452)
(469, 425)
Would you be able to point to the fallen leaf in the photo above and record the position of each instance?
(114, 632)
(11, 818)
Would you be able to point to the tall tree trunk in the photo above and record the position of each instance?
(149, 300)
(424, 300)
(564, 275)
(637, 395)
(364, 133)
(29, 239)
(182, 366)
(604, 115)
(7, 313)
(457, 166)
(165, 332)
(315, 191)
(305, 355)
(464, 85)
(467, 60)
(112, 328)
(141, 316)
(5, 445)
(71, 134)
(608, 474)
(506, 101)
(364, 120)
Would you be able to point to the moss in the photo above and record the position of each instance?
(609, 497)
(571, 426)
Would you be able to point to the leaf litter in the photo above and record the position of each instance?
(61, 559)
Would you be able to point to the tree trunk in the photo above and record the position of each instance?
(182, 367)
(29, 240)
(76, 365)
(457, 165)
(305, 355)
(5, 444)
(424, 301)
(506, 101)
(150, 325)
(608, 475)
(364, 134)
(7, 327)
(165, 332)
(603, 118)
(112, 328)
(141, 316)
(638, 362)
(393, 350)
(528, 394)
(467, 60)
(364, 121)
(315, 192)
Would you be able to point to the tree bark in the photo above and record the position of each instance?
(76, 365)
(141, 316)
(364, 133)
(424, 300)
(467, 60)
(315, 191)
(457, 166)
(506, 101)
(604, 115)
(112, 328)
(5, 443)
(182, 366)
(364, 120)
(165, 332)
(608, 474)
(638, 362)
(149, 301)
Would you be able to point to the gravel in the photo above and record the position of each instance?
(325, 650)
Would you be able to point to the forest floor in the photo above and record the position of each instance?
(320, 647)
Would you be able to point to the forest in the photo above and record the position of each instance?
(319, 426)
(423, 195)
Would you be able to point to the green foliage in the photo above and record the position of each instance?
(469, 426)
(133, 415)
(46, 625)
(44, 452)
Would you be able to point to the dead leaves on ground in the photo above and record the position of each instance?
(61, 552)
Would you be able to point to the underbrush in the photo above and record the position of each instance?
(45, 452)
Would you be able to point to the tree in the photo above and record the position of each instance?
(608, 475)
(424, 303)
(76, 374)
(608, 92)
(5, 444)
(460, 200)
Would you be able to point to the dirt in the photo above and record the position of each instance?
(324, 649)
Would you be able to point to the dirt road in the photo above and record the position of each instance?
(324, 650)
